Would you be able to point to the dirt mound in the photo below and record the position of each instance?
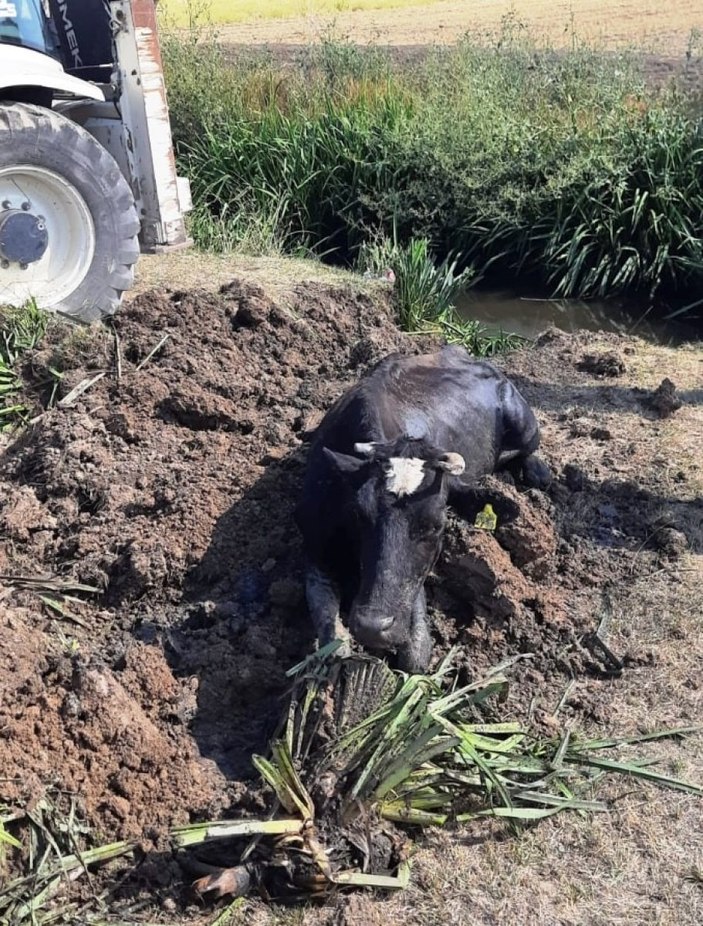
(139, 472)
(168, 486)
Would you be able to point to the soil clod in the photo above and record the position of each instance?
(664, 400)
(609, 364)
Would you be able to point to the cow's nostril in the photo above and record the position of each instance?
(371, 627)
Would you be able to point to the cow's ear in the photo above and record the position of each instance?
(452, 463)
(343, 462)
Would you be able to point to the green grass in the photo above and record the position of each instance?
(521, 162)
(425, 292)
(7, 838)
(21, 329)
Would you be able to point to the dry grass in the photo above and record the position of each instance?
(193, 269)
(665, 28)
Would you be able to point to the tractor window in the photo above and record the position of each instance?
(22, 22)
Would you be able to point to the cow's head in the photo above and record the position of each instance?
(398, 492)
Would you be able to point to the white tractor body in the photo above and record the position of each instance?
(25, 67)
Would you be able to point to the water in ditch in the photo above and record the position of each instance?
(528, 316)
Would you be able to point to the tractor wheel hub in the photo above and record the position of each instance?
(24, 237)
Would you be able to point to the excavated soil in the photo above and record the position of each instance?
(167, 487)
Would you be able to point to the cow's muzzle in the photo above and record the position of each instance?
(373, 629)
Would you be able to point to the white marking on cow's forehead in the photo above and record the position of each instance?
(404, 475)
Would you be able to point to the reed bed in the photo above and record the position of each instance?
(518, 161)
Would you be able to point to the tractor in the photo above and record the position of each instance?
(87, 169)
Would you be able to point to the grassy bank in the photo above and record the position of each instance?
(514, 160)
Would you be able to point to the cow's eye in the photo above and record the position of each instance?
(434, 527)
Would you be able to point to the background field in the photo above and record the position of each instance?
(665, 27)
(224, 11)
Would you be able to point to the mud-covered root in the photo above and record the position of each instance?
(225, 882)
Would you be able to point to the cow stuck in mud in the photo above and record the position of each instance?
(411, 438)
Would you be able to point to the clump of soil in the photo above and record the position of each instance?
(168, 487)
(664, 400)
(608, 363)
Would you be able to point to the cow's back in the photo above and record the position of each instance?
(446, 398)
(453, 402)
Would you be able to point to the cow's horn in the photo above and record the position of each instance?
(366, 450)
(453, 463)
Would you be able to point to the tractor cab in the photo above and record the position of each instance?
(22, 22)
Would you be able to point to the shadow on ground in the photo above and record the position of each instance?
(244, 621)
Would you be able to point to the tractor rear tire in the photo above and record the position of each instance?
(56, 172)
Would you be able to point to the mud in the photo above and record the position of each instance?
(169, 490)
(168, 486)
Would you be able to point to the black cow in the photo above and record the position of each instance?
(411, 437)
